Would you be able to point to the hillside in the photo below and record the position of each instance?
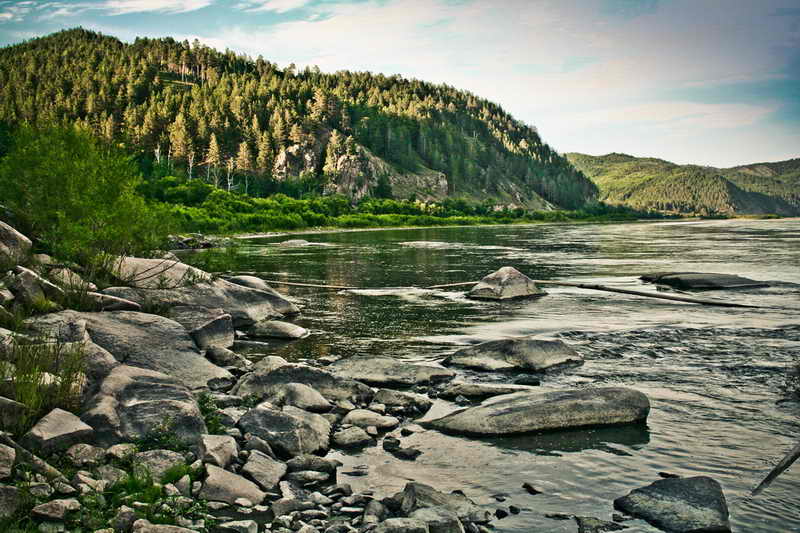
(658, 185)
(246, 124)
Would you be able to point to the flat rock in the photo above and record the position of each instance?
(264, 470)
(481, 390)
(144, 526)
(288, 433)
(401, 525)
(7, 457)
(525, 354)
(277, 330)
(365, 418)
(157, 462)
(386, 371)
(407, 401)
(106, 302)
(207, 327)
(332, 387)
(298, 395)
(223, 486)
(694, 504)
(56, 509)
(439, 519)
(525, 412)
(420, 496)
(590, 524)
(185, 285)
(702, 281)
(131, 403)
(155, 343)
(224, 357)
(313, 462)
(57, 431)
(505, 284)
(351, 437)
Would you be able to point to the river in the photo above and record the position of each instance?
(714, 376)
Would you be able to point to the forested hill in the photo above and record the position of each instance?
(247, 124)
(658, 185)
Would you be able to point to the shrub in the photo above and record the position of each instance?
(77, 196)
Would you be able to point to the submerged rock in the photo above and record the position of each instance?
(420, 496)
(701, 281)
(480, 390)
(694, 504)
(526, 353)
(525, 412)
(388, 371)
(505, 284)
(277, 330)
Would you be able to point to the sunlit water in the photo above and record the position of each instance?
(713, 375)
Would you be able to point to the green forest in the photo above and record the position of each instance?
(244, 125)
(654, 184)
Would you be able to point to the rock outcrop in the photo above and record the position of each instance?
(385, 371)
(526, 354)
(505, 284)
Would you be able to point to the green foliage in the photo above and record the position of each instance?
(77, 196)
(163, 437)
(42, 374)
(211, 414)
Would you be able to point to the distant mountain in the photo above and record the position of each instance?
(658, 185)
(235, 119)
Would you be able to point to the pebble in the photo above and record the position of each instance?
(531, 489)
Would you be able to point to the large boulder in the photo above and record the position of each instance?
(385, 371)
(505, 284)
(167, 283)
(408, 402)
(331, 386)
(525, 412)
(289, 432)
(526, 354)
(56, 432)
(298, 395)
(264, 470)
(14, 246)
(686, 505)
(132, 403)
(702, 281)
(207, 327)
(420, 496)
(280, 302)
(153, 342)
(223, 486)
(277, 330)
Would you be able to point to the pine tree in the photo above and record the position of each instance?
(213, 160)
(179, 140)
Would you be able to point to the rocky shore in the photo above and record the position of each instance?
(174, 431)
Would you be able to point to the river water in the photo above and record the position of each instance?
(714, 376)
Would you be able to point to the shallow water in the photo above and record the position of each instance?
(713, 375)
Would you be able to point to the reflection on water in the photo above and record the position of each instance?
(713, 375)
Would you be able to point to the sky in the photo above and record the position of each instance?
(711, 82)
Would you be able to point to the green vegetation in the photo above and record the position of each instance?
(42, 374)
(648, 184)
(77, 196)
(245, 125)
(211, 414)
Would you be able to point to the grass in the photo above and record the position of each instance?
(211, 415)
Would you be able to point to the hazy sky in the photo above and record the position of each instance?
(703, 81)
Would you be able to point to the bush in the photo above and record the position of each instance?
(77, 196)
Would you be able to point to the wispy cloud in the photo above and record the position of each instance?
(279, 6)
(14, 12)
(123, 7)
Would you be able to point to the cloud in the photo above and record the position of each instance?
(124, 7)
(14, 12)
(279, 6)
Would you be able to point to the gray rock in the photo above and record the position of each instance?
(331, 386)
(407, 401)
(298, 395)
(223, 486)
(144, 526)
(312, 462)
(288, 432)
(57, 431)
(225, 357)
(86, 455)
(480, 390)
(69, 280)
(401, 525)
(10, 500)
(207, 327)
(525, 412)
(294, 243)
(11, 412)
(14, 245)
(351, 437)
(7, 457)
(420, 496)
(106, 302)
(526, 353)
(264, 470)
(307, 476)
(702, 281)
(281, 303)
(694, 504)
(239, 526)
(124, 518)
(387, 371)
(365, 418)
(132, 403)
(439, 519)
(590, 524)
(247, 306)
(505, 284)
(56, 509)
(218, 450)
(157, 462)
(269, 363)
(111, 475)
(153, 342)
(277, 329)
